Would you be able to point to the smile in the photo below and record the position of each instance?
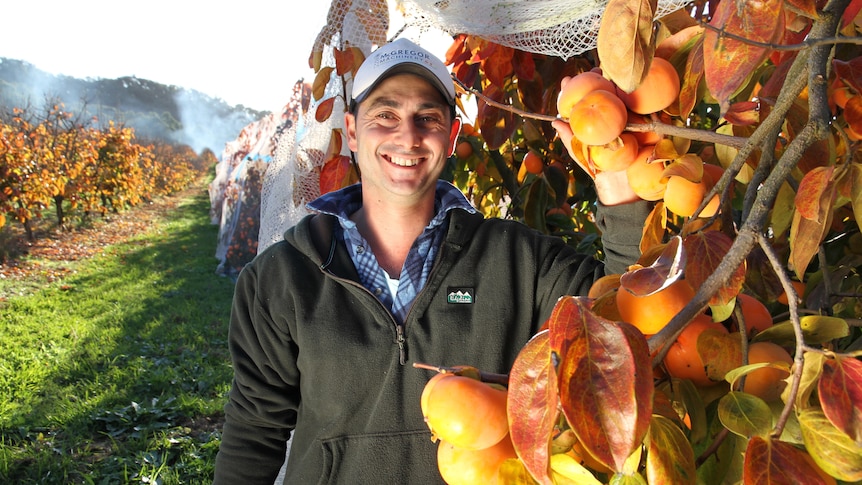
(404, 162)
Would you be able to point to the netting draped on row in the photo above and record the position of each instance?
(562, 28)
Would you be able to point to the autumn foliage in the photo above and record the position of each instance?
(52, 159)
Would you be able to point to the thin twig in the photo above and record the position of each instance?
(660, 128)
(807, 43)
(799, 357)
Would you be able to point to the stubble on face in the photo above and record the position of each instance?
(402, 135)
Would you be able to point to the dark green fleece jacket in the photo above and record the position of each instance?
(317, 357)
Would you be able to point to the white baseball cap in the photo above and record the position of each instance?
(400, 56)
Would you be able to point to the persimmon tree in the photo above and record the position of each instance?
(765, 127)
(25, 195)
(67, 147)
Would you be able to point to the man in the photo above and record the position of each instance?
(398, 269)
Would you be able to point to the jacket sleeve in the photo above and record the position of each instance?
(261, 406)
(622, 228)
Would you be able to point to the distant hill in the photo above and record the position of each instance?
(155, 111)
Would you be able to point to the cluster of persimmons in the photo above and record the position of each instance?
(598, 112)
(467, 413)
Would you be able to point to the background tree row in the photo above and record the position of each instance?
(51, 158)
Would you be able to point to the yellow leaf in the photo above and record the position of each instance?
(833, 451)
(321, 80)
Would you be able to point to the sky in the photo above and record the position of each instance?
(250, 52)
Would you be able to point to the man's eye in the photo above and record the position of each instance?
(427, 120)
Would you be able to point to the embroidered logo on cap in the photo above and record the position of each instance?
(460, 295)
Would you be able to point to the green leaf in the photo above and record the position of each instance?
(535, 205)
(744, 414)
(816, 330)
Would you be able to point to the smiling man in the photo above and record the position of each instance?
(396, 269)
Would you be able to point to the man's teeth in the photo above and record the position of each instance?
(404, 162)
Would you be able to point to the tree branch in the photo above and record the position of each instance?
(814, 62)
(660, 128)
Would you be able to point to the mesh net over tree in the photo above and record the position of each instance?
(562, 28)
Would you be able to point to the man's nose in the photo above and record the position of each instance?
(409, 134)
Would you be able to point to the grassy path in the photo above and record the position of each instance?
(118, 372)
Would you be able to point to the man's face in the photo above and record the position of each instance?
(402, 134)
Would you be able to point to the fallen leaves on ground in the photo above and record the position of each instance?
(43, 261)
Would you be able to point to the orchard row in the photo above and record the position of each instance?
(54, 159)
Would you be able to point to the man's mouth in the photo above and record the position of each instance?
(404, 162)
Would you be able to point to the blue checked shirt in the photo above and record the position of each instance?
(420, 259)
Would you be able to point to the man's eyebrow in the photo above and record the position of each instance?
(391, 102)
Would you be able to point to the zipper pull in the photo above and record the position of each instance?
(399, 330)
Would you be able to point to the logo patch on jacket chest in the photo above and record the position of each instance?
(460, 295)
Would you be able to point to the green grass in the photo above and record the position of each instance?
(118, 373)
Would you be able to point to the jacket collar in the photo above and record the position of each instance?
(316, 237)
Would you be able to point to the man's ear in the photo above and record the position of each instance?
(350, 130)
(453, 135)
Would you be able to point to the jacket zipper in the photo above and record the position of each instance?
(400, 340)
(399, 331)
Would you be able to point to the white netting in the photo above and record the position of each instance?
(236, 190)
(562, 28)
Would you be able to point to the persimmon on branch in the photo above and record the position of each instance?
(656, 127)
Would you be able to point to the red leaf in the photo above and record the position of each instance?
(805, 238)
(728, 62)
(849, 72)
(705, 251)
(343, 61)
(532, 405)
(333, 173)
(483, 51)
(496, 125)
(324, 110)
(853, 114)
(457, 50)
(662, 273)
(840, 390)
(850, 12)
(812, 188)
(772, 462)
(498, 67)
(525, 66)
(744, 113)
(605, 380)
(806, 7)
(688, 93)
